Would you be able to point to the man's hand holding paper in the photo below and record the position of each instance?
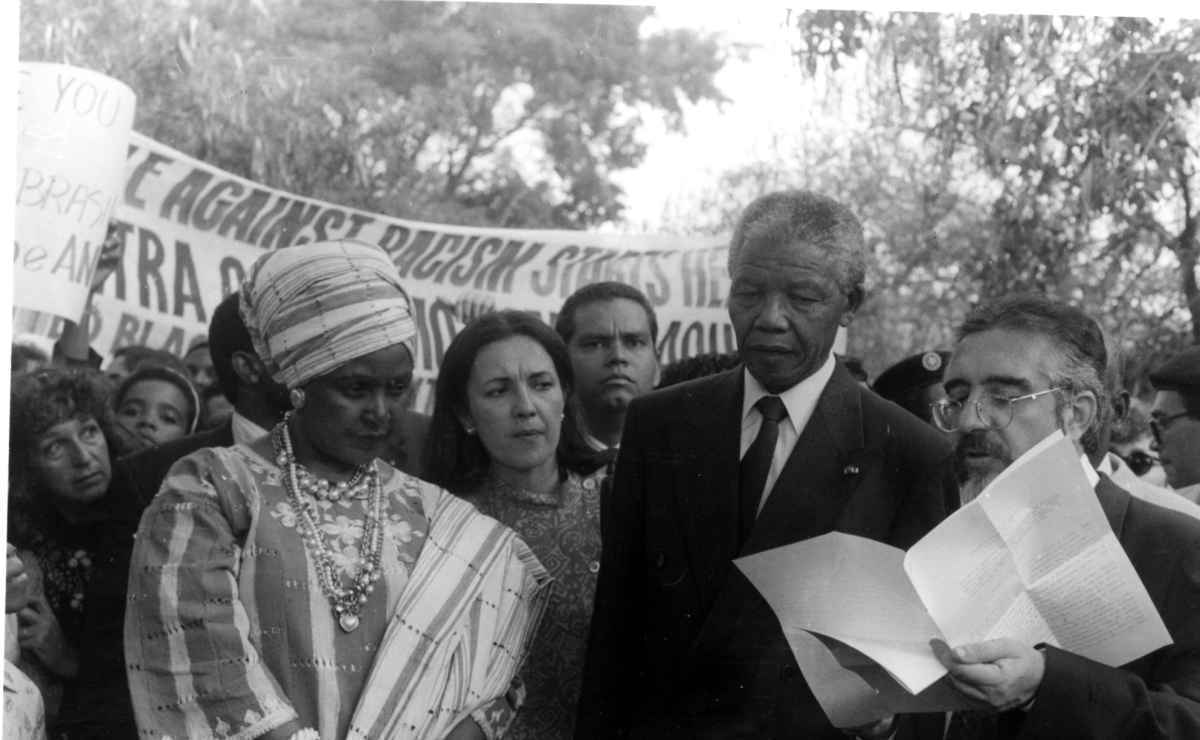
(1031, 560)
(1004, 673)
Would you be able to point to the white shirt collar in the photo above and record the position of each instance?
(1190, 492)
(1092, 476)
(800, 400)
(244, 430)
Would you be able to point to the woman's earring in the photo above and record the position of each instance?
(468, 429)
(297, 397)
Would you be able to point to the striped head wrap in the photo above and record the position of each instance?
(312, 308)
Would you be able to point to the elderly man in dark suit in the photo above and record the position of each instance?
(1023, 368)
(787, 447)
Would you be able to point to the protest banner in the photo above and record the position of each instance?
(73, 127)
(191, 231)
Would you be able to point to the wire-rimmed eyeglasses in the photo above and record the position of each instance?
(1139, 462)
(994, 412)
(1160, 424)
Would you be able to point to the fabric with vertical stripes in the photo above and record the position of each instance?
(227, 634)
(461, 632)
(312, 308)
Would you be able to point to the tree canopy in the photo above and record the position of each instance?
(990, 155)
(1067, 148)
(469, 113)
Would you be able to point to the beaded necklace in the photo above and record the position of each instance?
(347, 601)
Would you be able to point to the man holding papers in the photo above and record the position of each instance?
(782, 449)
(1023, 369)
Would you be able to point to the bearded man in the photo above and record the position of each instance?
(1022, 369)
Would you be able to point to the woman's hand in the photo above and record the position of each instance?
(39, 633)
(16, 583)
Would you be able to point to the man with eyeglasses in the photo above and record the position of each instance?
(1022, 369)
(1126, 470)
(1175, 421)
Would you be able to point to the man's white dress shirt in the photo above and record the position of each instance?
(800, 401)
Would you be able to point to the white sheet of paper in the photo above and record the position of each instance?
(852, 689)
(1033, 558)
(74, 127)
(854, 590)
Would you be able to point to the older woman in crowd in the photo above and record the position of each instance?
(61, 515)
(494, 439)
(299, 587)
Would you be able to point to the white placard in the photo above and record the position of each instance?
(73, 136)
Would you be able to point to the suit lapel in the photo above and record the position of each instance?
(706, 497)
(810, 492)
(1114, 502)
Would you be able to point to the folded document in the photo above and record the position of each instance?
(1032, 558)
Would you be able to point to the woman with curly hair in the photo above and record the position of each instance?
(61, 514)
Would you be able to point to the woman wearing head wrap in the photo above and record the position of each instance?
(299, 587)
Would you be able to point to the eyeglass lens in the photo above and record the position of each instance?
(1139, 462)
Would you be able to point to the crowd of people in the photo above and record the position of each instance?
(262, 539)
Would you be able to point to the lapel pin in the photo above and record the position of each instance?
(850, 470)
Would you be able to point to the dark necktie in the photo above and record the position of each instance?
(757, 462)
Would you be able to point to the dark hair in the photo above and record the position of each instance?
(227, 334)
(599, 293)
(1083, 360)
(1130, 429)
(800, 216)
(208, 393)
(698, 366)
(454, 459)
(138, 356)
(179, 380)
(40, 400)
(23, 354)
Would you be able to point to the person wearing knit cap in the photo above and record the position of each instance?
(914, 383)
(1175, 421)
(299, 587)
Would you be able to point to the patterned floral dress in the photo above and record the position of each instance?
(563, 530)
(224, 597)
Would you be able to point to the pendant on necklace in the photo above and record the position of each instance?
(348, 622)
